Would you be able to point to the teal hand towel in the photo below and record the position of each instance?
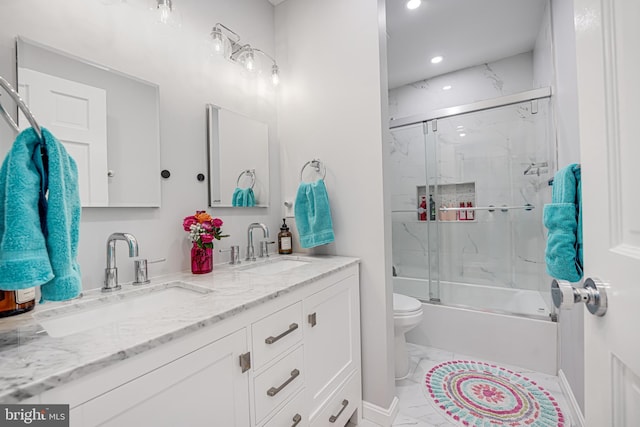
(24, 260)
(313, 215)
(243, 197)
(39, 235)
(563, 219)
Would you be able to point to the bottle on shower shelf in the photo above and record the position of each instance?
(462, 214)
(471, 214)
(432, 208)
(422, 209)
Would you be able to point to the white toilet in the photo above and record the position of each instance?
(407, 314)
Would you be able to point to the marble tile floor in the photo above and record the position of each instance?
(417, 411)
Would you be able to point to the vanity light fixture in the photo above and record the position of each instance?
(165, 12)
(226, 42)
(413, 4)
(436, 59)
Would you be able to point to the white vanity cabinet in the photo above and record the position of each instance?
(332, 351)
(291, 361)
(203, 388)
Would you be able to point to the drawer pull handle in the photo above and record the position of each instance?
(312, 319)
(296, 420)
(273, 391)
(292, 327)
(334, 418)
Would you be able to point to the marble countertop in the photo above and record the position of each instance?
(32, 361)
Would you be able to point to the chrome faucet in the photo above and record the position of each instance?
(111, 272)
(250, 251)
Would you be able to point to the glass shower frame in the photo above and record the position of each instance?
(440, 179)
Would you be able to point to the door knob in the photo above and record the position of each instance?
(592, 293)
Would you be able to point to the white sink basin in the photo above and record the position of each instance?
(274, 267)
(117, 307)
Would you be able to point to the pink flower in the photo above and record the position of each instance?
(217, 222)
(207, 226)
(188, 222)
(206, 238)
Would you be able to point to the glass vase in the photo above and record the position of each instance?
(201, 259)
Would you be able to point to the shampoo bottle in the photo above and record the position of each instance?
(432, 208)
(284, 239)
(422, 209)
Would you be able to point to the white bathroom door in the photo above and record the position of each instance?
(608, 59)
(77, 115)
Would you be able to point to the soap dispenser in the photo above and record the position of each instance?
(284, 239)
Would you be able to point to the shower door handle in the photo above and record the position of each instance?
(593, 294)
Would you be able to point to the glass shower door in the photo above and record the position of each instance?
(493, 168)
(414, 236)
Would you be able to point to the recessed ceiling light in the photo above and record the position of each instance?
(436, 59)
(447, 87)
(463, 134)
(459, 127)
(413, 4)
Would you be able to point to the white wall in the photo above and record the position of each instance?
(124, 37)
(330, 107)
(543, 68)
(571, 323)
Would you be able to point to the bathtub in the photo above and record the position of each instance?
(503, 325)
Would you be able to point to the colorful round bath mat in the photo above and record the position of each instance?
(483, 395)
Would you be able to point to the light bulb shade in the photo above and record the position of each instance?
(219, 43)
(165, 12)
(275, 75)
(249, 60)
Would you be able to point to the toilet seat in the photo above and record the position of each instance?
(405, 306)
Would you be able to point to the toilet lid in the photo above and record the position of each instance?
(405, 304)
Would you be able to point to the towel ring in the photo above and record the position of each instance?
(13, 94)
(316, 164)
(251, 173)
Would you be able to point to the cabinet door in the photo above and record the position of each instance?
(332, 339)
(203, 388)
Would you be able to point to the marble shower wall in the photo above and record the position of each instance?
(498, 249)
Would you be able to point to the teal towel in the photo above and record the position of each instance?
(243, 197)
(563, 219)
(313, 215)
(38, 235)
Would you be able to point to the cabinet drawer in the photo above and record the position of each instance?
(294, 413)
(278, 382)
(276, 333)
(342, 404)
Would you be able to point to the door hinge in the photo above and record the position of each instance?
(245, 361)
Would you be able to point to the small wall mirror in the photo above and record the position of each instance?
(238, 149)
(108, 121)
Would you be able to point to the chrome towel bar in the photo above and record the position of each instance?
(490, 208)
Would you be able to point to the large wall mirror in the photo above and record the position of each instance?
(108, 121)
(238, 148)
